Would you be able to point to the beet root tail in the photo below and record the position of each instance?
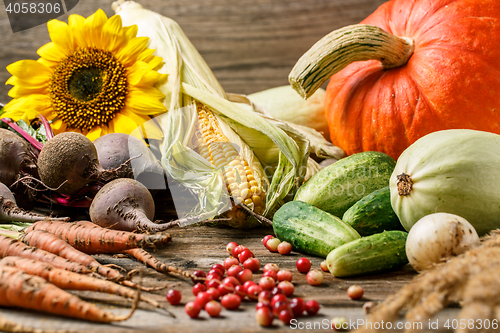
(9, 211)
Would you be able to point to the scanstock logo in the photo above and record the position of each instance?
(26, 14)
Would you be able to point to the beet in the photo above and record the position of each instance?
(117, 149)
(125, 204)
(9, 211)
(68, 162)
(17, 158)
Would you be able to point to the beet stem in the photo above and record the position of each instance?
(48, 130)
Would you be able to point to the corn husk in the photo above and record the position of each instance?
(286, 104)
(276, 150)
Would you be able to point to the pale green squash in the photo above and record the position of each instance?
(451, 171)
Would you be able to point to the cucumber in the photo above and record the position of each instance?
(339, 186)
(373, 254)
(311, 230)
(373, 214)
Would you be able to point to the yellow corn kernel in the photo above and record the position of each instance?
(215, 147)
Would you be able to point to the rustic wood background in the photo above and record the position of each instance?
(251, 45)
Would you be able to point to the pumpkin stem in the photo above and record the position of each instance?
(404, 183)
(332, 53)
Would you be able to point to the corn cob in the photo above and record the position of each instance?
(238, 176)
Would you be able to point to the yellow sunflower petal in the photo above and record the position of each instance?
(60, 34)
(76, 23)
(57, 125)
(129, 54)
(51, 52)
(124, 124)
(30, 105)
(145, 101)
(30, 70)
(93, 27)
(141, 73)
(94, 133)
(110, 35)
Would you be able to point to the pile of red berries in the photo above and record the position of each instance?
(228, 284)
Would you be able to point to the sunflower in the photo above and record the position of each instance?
(95, 77)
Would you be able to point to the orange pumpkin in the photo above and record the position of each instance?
(451, 79)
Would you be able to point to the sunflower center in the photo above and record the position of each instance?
(86, 84)
(88, 88)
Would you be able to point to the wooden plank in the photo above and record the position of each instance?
(250, 45)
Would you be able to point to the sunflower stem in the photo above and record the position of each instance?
(38, 145)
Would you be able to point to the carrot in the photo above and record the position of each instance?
(53, 244)
(69, 280)
(148, 260)
(93, 239)
(12, 247)
(20, 289)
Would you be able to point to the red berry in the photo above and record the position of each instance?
(284, 275)
(272, 244)
(231, 301)
(174, 296)
(264, 317)
(198, 276)
(245, 275)
(199, 287)
(230, 247)
(225, 288)
(245, 255)
(280, 306)
(237, 250)
(278, 298)
(211, 277)
(252, 264)
(202, 298)
(312, 307)
(265, 304)
(248, 284)
(232, 280)
(220, 267)
(277, 291)
(214, 292)
(213, 308)
(267, 283)
(303, 265)
(298, 306)
(271, 267)
(314, 278)
(234, 270)
(266, 238)
(254, 291)
(286, 316)
(284, 248)
(212, 284)
(271, 274)
(192, 309)
(287, 287)
(355, 292)
(324, 266)
(240, 291)
(215, 272)
(265, 296)
(231, 261)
